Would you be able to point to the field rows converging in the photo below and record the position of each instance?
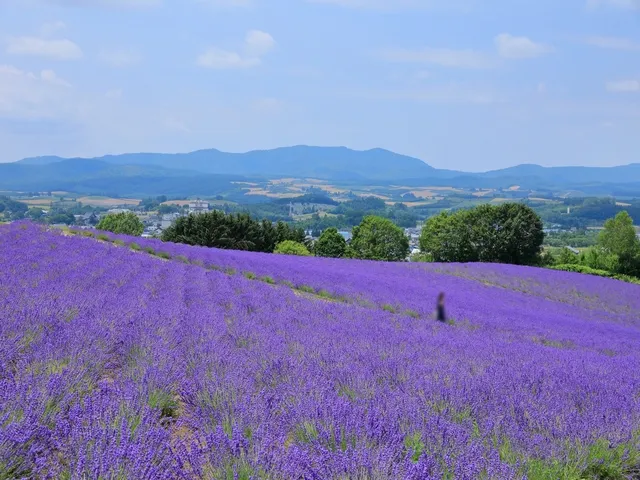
(114, 364)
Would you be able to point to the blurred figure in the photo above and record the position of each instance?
(440, 313)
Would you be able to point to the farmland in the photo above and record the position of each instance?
(204, 363)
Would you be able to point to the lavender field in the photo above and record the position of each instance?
(192, 363)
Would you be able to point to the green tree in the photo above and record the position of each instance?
(509, 233)
(567, 257)
(289, 247)
(378, 238)
(330, 244)
(520, 234)
(231, 231)
(126, 223)
(35, 213)
(446, 237)
(619, 239)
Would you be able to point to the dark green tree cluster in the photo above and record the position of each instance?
(379, 238)
(12, 210)
(126, 223)
(330, 244)
(231, 231)
(508, 233)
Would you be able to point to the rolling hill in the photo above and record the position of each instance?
(211, 171)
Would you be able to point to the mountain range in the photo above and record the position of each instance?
(207, 172)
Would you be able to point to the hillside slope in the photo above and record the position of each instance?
(185, 369)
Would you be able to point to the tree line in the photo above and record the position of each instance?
(507, 233)
(616, 251)
(237, 231)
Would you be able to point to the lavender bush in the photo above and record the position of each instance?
(118, 364)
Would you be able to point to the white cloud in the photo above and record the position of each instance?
(54, 49)
(256, 45)
(28, 95)
(513, 47)
(615, 43)
(439, 56)
(622, 4)
(119, 58)
(51, 77)
(624, 86)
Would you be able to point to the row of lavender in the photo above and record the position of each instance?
(117, 365)
(551, 306)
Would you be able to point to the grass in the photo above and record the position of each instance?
(183, 259)
(250, 275)
(163, 401)
(269, 280)
(165, 255)
(414, 445)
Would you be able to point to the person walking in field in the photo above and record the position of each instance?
(441, 315)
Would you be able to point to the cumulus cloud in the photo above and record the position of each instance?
(624, 86)
(513, 47)
(444, 57)
(30, 95)
(51, 77)
(256, 45)
(615, 43)
(53, 49)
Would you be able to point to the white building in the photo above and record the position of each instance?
(198, 206)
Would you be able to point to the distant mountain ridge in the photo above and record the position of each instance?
(184, 172)
(299, 161)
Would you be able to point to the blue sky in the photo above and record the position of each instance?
(464, 84)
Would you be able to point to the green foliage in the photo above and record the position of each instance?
(567, 257)
(619, 238)
(126, 223)
(599, 461)
(421, 258)
(330, 244)
(414, 445)
(289, 247)
(165, 402)
(600, 273)
(507, 233)
(231, 231)
(378, 238)
(578, 239)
